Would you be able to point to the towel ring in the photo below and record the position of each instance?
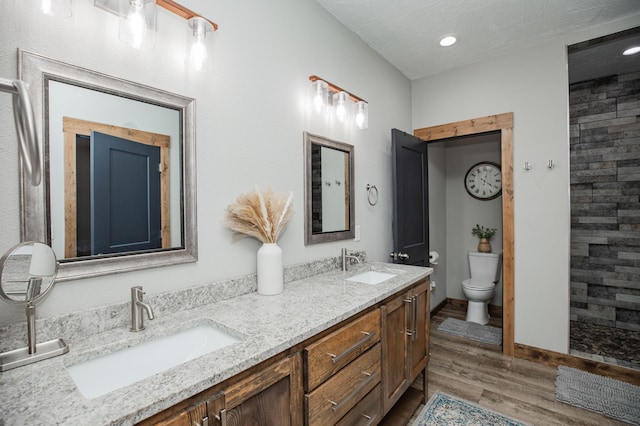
(372, 194)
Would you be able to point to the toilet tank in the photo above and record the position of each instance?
(485, 266)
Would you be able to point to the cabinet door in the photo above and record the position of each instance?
(271, 397)
(208, 413)
(420, 329)
(268, 407)
(395, 315)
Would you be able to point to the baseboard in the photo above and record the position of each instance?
(494, 311)
(438, 308)
(554, 359)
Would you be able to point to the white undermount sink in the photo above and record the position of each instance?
(99, 376)
(371, 277)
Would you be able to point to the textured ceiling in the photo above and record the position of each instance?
(406, 32)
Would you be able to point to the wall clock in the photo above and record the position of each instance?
(483, 181)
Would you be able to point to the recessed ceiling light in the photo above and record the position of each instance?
(448, 41)
(631, 51)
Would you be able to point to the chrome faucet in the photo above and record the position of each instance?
(137, 319)
(346, 256)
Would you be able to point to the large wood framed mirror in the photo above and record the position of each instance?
(329, 199)
(118, 190)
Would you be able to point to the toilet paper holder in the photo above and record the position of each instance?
(433, 257)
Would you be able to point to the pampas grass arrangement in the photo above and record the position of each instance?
(262, 215)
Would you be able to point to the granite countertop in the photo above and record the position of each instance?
(44, 392)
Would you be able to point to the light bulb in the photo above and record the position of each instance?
(46, 7)
(57, 8)
(199, 52)
(340, 100)
(320, 95)
(362, 115)
(137, 22)
(199, 55)
(136, 25)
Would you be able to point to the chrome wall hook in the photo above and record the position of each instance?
(550, 164)
(527, 166)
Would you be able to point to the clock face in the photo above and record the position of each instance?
(484, 180)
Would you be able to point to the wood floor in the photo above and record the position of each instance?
(479, 373)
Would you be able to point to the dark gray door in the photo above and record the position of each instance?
(125, 195)
(410, 199)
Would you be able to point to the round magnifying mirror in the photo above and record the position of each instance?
(27, 272)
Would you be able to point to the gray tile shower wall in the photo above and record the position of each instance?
(605, 201)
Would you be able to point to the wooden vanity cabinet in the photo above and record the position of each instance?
(405, 325)
(352, 374)
(271, 396)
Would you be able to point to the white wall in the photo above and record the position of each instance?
(250, 120)
(533, 84)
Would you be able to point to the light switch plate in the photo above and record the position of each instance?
(357, 236)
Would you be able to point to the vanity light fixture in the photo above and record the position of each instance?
(138, 25)
(57, 8)
(342, 101)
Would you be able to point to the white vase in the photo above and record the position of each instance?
(270, 271)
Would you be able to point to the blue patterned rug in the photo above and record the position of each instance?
(445, 410)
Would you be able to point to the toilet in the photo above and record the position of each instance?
(485, 273)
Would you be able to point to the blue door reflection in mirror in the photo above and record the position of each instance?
(125, 195)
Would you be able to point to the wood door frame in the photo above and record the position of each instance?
(72, 127)
(504, 124)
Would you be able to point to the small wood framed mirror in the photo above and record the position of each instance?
(329, 199)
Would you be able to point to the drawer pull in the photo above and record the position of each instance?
(222, 417)
(365, 382)
(415, 318)
(370, 419)
(365, 339)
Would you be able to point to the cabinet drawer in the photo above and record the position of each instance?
(329, 354)
(334, 398)
(367, 412)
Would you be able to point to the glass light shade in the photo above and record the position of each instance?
(199, 56)
(340, 103)
(362, 115)
(57, 8)
(137, 22)
(320, 95)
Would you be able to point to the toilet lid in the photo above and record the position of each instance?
(474, 284)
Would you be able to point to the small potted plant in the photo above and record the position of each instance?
(485, 234)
